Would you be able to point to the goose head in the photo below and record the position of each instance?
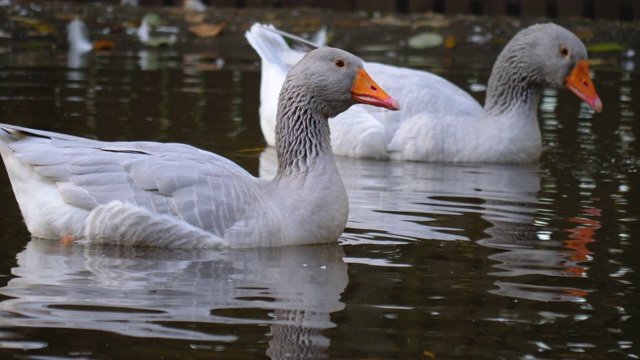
(324, 83)
(558, 59)
(337, 80)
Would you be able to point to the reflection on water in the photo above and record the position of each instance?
(172, 294)
(393, 200)
(448, 261)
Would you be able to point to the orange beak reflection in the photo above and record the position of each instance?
(580, 83)
(366, 91)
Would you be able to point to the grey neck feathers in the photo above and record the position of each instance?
(513, 83)
(302, 132)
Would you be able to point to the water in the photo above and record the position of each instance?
(438, 261)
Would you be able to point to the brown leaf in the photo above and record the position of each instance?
(207, 30)
(450, 42)
(104, 45)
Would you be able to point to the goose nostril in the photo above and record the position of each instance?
(374, 88)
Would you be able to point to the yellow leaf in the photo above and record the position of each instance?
(34, 24)
(450, 42)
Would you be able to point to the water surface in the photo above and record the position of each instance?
(440, 261)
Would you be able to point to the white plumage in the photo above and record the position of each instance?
(175, 195)
(440, 122)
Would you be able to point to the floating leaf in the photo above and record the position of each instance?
(104, 45)
(34, 24)
(429, 354)
(602, 47)
(584, 34)
(425, 40)
(161, 41)
(152, 19)
(207, 30)
(450, 42)
(602, 61)
(252, 150)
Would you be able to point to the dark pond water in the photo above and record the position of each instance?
(437, 261)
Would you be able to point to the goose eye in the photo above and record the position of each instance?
(340, 63)
(564, 52)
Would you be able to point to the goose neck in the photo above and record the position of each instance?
(513, 85)
(302, 134)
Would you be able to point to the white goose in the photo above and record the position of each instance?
(78, 37)
(440, 122)
(174, 195)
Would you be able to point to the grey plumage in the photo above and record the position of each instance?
(168, 179)
(175, 195)
(529, 62)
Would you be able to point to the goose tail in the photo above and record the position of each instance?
(277, 58)
(270, 46)
(7, 136)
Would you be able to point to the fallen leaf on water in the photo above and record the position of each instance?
(253, 149)
(207, 30)
(104, 45)
(450, 42)
(425, 40)
(161, 41)
(602, 61)
(584, 34)
(429, 354)
(602, 47)
(34, 24)
(152, 19)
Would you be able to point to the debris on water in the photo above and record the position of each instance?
(604, 47)
(207, 30)
(479, 38)
(425, 40)
(450, 42)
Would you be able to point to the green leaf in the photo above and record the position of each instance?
(602, 47)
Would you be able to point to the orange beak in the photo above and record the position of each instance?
(579, 82)
(366, 91)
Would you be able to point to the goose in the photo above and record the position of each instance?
(440, 122)
(149, 37)
(78, 37)
(175, 195)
